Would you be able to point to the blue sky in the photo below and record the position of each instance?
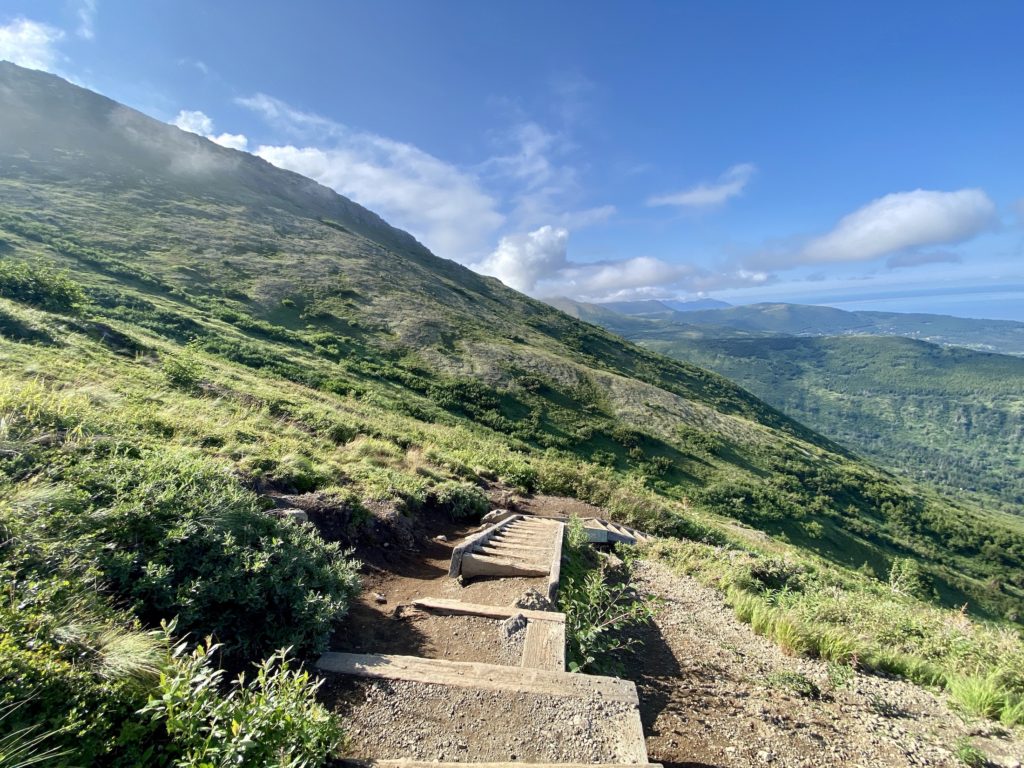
(867, 155)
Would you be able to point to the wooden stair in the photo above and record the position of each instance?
(599, 531)
(516, 546)
(472, 674)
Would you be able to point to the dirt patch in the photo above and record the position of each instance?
(418, 633)
(556, 505)
(419, 721)
(712, 693)
(382, 619)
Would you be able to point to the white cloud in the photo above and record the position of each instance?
(445, 207)
(194, 122)
(537, 263)
(521, 261)
(30, 44)
(198, 122)
(903, 221)
(729, 185)
(86, 19)
(439, 204)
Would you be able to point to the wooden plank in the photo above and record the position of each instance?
(633, 741)
(532, 554)
(555, 570)
(457, 607)
(544, 646)
(459, 552)
(472, 674)
(485, 565)
(515, 546)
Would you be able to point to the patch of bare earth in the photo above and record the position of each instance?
(712, 693)
(389, 719)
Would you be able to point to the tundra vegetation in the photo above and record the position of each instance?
(186, 330)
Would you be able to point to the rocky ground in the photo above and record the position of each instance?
(418, 721)
(712, 693)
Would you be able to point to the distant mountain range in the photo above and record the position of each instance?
(935, 410)
(1003, 336)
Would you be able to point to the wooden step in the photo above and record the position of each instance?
(487, 565)
(515, 545)
(457, 607)
(544, 646)
(533, 554)
(477, 539)
(522, 558)
(471, 674)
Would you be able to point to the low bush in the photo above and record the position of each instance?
(460, 501)
(271, 719)
(40, 286)
(599, 611)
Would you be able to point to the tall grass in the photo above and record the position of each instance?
(854, 621)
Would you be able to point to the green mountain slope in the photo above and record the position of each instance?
(944, 415)
(188, 333)
(181, 240)
(1001, 336)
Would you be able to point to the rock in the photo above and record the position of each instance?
(441, 539)
(379, 598)
(513, 624)
(533, 600)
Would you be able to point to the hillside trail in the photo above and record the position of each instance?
(711, 692)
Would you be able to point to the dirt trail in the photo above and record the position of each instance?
(712, 693)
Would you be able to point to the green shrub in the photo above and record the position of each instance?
(272, 719)
(183, 371)
(461, 501)
(794, 683)
(968, 754)
(173, 534)
(598, 614)
(907, 578)
(40, 286)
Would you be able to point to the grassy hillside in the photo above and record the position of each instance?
(949, 416)
(188, 333)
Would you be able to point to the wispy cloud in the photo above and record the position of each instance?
(31, 44)
(86, 19)
(708, 195)
(197, 122)
(442, 205)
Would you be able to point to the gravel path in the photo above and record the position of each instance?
(419, 721)
(712, 693)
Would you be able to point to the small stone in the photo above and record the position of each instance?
(533, 600)
(513, 624)
(379, 598)
(441, 539)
